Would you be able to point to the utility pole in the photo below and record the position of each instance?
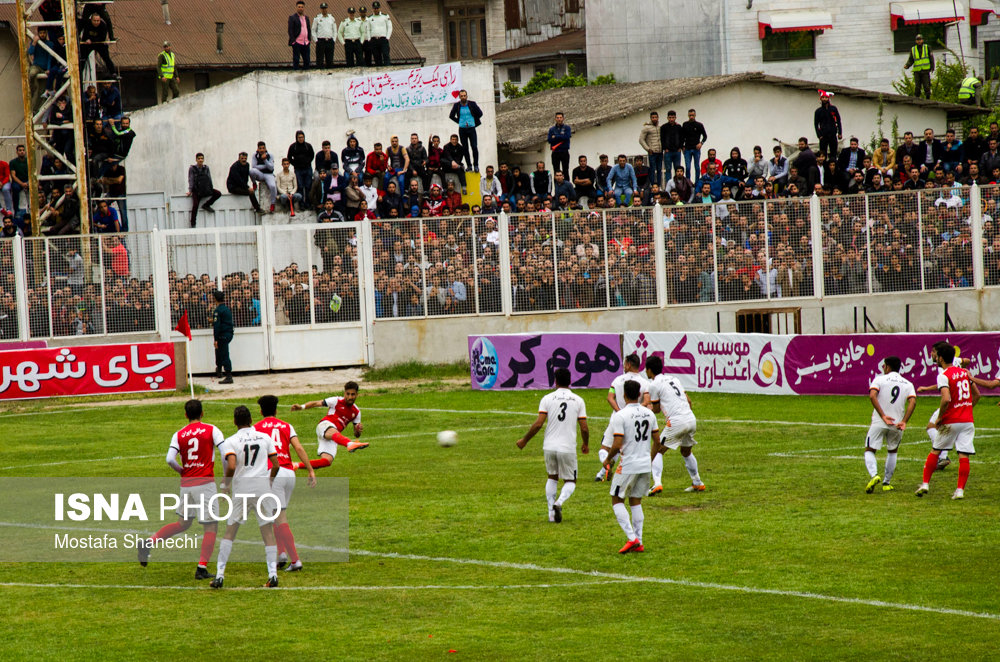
(37, 134)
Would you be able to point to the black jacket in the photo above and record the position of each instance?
(694, 133)
(477, 113)
(827, 121)
(300, 155)
(222, 323)
(844, 158)
(295, 27)
(937, 154)
(239, 175)
(324, 163)
(671, 137)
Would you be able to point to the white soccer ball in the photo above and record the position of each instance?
(447, 438)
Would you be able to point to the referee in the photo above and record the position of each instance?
(222, 329)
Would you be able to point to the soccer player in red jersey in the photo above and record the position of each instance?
(955, 422)
(283, 435)
(329, 432)
(195, 445)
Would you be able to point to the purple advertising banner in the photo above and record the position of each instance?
(846, 364)
(529, 361)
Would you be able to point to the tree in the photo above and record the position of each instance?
(546, 80)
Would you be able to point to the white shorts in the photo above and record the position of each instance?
(625, 486)
(561, 464)
(326, 445)
(958, 436)
(284, 484)
(197, 498)
(679, 431)
(934, 417)
(257, 496)
(879, 433)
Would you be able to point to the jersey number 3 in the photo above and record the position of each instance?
(562, 412)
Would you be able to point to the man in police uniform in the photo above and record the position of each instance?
(222, 330)
(166, 69)
(325, 31)
(970, 92)
(379, 31)
(366, 42)
(922, 61)
(351, 33)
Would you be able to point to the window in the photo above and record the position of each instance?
(467, 33)
(201, 82)
(514, 74)
(781, 46)
(935, 35)
(415, 27)
(992, 59)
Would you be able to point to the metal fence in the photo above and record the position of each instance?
(544, 262)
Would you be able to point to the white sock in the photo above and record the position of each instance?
(933, 434)
(890, 467)
(225, 547)
(637, 520)
(870, 464)
(271, 554)
(943, 455)
(692, 467)
(621, 514)
(567, 491)
(551, 489)
(658, 470)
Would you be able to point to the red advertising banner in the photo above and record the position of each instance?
(87, 370)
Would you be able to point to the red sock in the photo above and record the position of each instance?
(168, 530)
(281, 541)
(963, 472)
(285, 534)
(929, 466)
(340, 440)
(320, 462)
(207, 546)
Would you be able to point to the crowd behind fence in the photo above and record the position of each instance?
(544, 262)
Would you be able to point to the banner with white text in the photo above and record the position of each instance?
(87, 370)
(383, 92)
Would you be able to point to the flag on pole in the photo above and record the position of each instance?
(183, 326)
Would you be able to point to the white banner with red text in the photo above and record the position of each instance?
(87, 370)
(383, 92)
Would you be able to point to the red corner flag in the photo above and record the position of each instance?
(183, 326)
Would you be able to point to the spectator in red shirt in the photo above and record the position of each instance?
(377, 163)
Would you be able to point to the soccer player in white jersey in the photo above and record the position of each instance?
(893, 401)
(247, 455)
(616, 399)
(194, 445)
(632, 428)
(560, 412)
(667, 395)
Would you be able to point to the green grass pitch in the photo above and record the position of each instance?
(783, 558)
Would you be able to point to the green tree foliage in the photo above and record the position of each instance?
(546, 80)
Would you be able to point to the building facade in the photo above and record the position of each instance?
(853, 42)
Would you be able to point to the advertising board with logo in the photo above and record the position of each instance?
(529, 361)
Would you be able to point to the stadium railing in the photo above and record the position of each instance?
(546, 262)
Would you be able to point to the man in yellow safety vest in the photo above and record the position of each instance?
(922, 61)
(970, 91)
(166, 68)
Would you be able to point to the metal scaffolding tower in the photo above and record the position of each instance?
(37, 132)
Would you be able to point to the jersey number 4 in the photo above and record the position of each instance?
(249, 460)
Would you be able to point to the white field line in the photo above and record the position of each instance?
(142, 457)
(859, 458)
(507, 565)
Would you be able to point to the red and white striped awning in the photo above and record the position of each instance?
(979, 11)
(794, 20)
(925, 11)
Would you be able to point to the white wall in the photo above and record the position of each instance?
(445, 339)
(745, 115)
(709, 37)
(225, 120)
